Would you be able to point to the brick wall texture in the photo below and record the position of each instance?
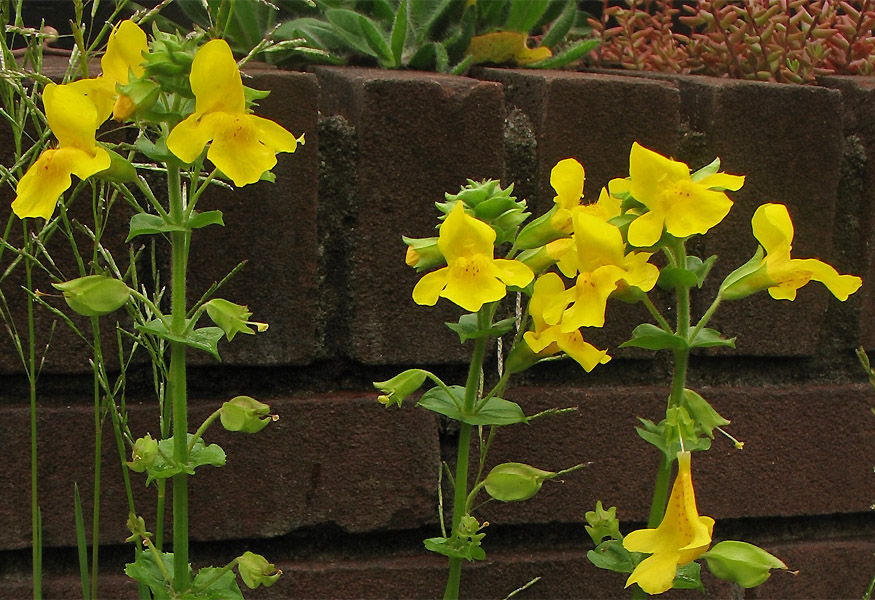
(340, 492)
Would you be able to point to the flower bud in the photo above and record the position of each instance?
(255, 570)
(539, 232)
(512, 482)
(245, 414)
(232, 318)
(395, 390)
(143, 454)
(94, 295)
(745, 564)
(749, 278)
(423, 253)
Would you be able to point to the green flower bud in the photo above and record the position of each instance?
(539, 232)
(256, 571)
(141, 95)
(749, 278)
(232, 318)
(512, 482)
(120, 169)
(143, 454)
(745, 564)
(423, 253)
(520, 358)
(245, 414)
(94, 295)
(395, 390)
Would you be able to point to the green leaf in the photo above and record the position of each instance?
(94, 295)
(573, 53)
(399, 33)
(376, 39)
(611, 555)
(347, 25)
(200, 455)
(455, 548)
(561, 26)
(204, 219)
(688, 577)
(651, 337)
(701, 269)
(205, 338)
(709, 338)
(496, 411)
(673, 277)
(467, 327)
(145, 570)
(524, 15)
(148, 224)
(156, 151)
(224, 587)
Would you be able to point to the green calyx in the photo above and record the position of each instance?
(246, 415)
(94, 295)
(488, 201)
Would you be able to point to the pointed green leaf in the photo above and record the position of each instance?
(612, 556)
(575, 52)
(651, 337)
(524, 15)
(709, 338)
(204, 219)
(496, 411)
(376, 39)
(347, 24)
(205, 338)
(672, 277)
(467, 327)
(561, 26)
(399, 33)
(221, 587)
(455, 548)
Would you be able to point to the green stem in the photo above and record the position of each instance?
(706, 317)
(176, 384)
(654, 312)
(461, 483)
(98, 442)
(31, 376)
(200, 430)
(871, 587)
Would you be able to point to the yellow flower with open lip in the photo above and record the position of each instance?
(682, 536)
(243, 146)
(124, 54)
(74, 120)
(550, 339)
(773, 228)
(603, 268)
(472, 276)
(675, 202)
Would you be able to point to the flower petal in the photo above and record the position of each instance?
(651, 173)
(187, 140)
(598, 242)
(99, 91)
(236, 150)
(428, 289)
(591, 292)
(695, 209)
(71, 115)
(586, 355)
(723, 181)
(124, 51)
(472, 283)
(546, 288)
(646, 229)
(215, 80)
(273, 135)
(841, 286)
(513, 272)
(567, 179)
(773, 228)
(461, 235)
(655, 574)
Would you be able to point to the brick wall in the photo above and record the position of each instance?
(340, 492)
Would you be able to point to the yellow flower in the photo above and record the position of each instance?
(774, 230)
(564, 251)
(472, 276)
(603, 268)
(74, 120)
(550, 339)
(243, 146)
(124, 54)
(675, 202)
(682, 536)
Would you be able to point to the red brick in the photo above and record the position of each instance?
(418, 136)
(318, 465)
(273, 227)
(789, 465)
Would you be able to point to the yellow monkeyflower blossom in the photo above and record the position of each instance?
(124, 55)
(472, 276)
(773, 228)
(564, 250)
(682, 536)
(603, 268)
(550, 339)
(675, 202)
(74, 120)
(243, 146)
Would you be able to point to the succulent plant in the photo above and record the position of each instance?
(788, 41)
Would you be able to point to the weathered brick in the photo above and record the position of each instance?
(788, 467)
(418, 136)
(319, 464)
(273, 227)
(785, 141)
